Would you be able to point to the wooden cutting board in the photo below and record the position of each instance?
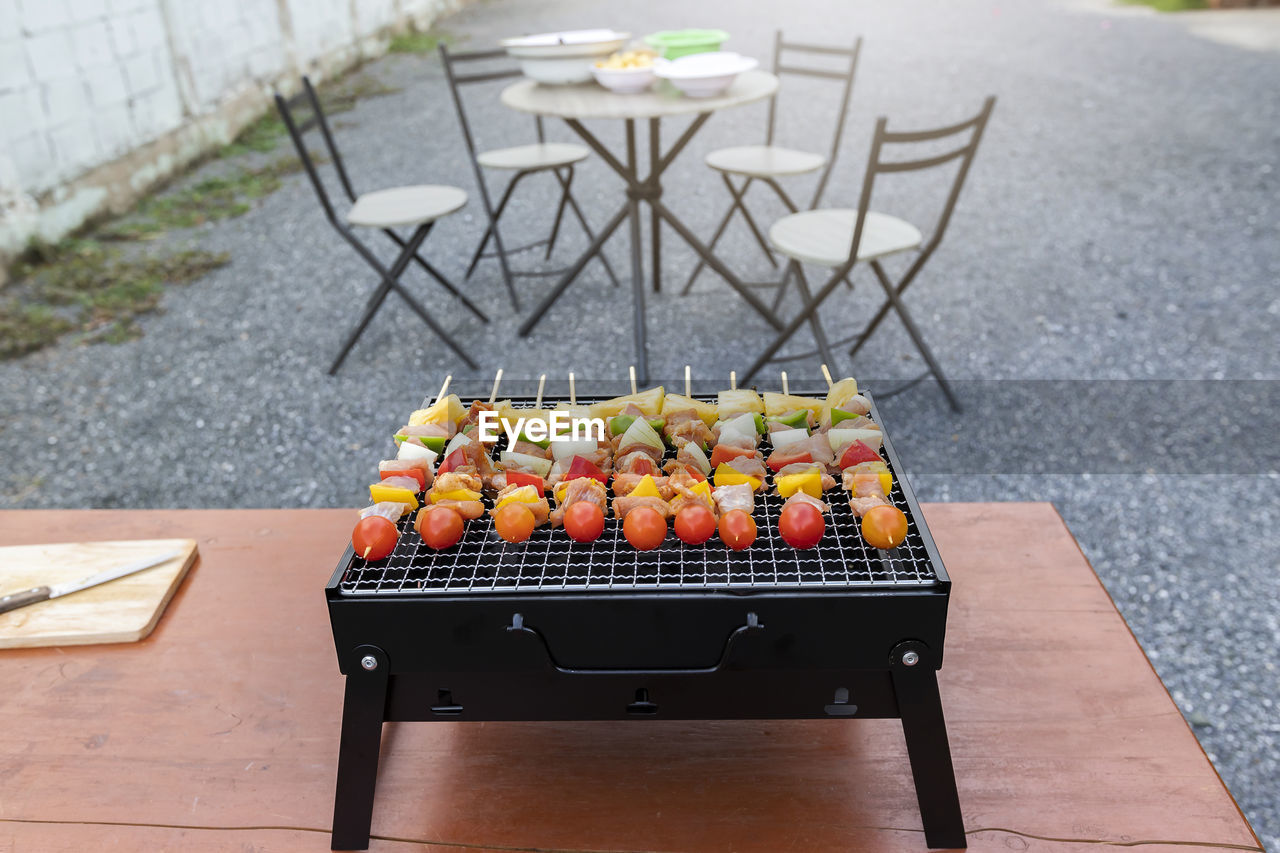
(122, 611)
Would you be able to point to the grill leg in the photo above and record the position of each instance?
(925, 730)
(363, 711)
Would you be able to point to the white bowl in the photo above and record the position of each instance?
(704, 75)
(565, 57)
(624, 81)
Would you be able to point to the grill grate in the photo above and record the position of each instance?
(550, 561)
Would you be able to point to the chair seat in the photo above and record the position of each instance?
(542, 155)
(764, 161)
(823, 237)
(415, 205)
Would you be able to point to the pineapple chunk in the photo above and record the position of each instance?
(650, 402)
(738, 401)
(450, 408)
(780, 404)
(708, 412)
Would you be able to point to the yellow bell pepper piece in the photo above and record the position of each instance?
(379, 493)
(726, 476)
(886, 479)
(524, 495)
(702, 489)
(560, 489)
(809, 482)
(455, 495)
(646, 488)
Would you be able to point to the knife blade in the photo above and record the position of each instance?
(36, 594)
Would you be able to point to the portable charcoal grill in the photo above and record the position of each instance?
(550, 629)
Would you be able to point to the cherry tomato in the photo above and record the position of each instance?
(695, 524)
(645, 528)
(801, 524)
(737, 529)
(884, 527)
(514, 522)
(439, 526)
(374, 537)
(583, 521)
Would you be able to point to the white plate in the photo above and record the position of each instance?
(565, 44)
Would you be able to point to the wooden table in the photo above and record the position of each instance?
(220, 731)
(574, 104)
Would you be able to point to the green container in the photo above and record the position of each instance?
(673, 44)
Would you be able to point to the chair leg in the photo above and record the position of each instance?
(796, 322)
(449, 286)
(438, 276)
(565, 184)
(493, 225)
(815, 323)
(371, 308)
(391, 281)
(755, 231)
(895, 299)
(591, 235)
(782, 285)
(720, 229)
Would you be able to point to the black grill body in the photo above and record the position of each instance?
(555, 630)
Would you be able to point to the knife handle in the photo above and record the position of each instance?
(21, 599)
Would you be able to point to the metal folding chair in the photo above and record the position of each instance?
(768, 162)
(840, 238)
(416, 206)
(558, 158)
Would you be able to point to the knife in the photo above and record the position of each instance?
(44, 593)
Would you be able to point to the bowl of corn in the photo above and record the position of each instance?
(626, 72)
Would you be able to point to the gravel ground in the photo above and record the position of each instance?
(1120, 223)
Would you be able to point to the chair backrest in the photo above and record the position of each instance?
(452, 59)
(789, 66)
(307, 100)
(876, 165)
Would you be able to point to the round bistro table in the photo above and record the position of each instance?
(574, 104)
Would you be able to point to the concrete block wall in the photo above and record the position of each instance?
(102, 99)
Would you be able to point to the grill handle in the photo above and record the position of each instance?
(753, 625)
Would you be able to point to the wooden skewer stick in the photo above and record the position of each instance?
(688, 392)
(493, 395)
(444, 387)
(633, 378)
(573, 394)
(542, 381)
(785, 389)
(826, 374)
(733, 380)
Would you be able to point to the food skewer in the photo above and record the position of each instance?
(632, 371)
(444, 387)
(688, 392)
(542, 382)
(493, 394)
(573, 394)
(785, 389)
(733, 380)
(826, 374)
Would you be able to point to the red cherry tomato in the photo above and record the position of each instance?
(584, 521)
(439, 526)
(695, 524)
(737, 529)
(645, 528)
(801, 524)
(514, 522)
(374, 537)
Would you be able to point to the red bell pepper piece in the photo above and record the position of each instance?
(856, 453)
(456, 459)
(695, 474)
(520, 478)
(776, 463)
(723, 453)
(580, 467)
(416, 473)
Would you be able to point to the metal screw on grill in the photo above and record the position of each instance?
(910, 658)
(370, 663)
